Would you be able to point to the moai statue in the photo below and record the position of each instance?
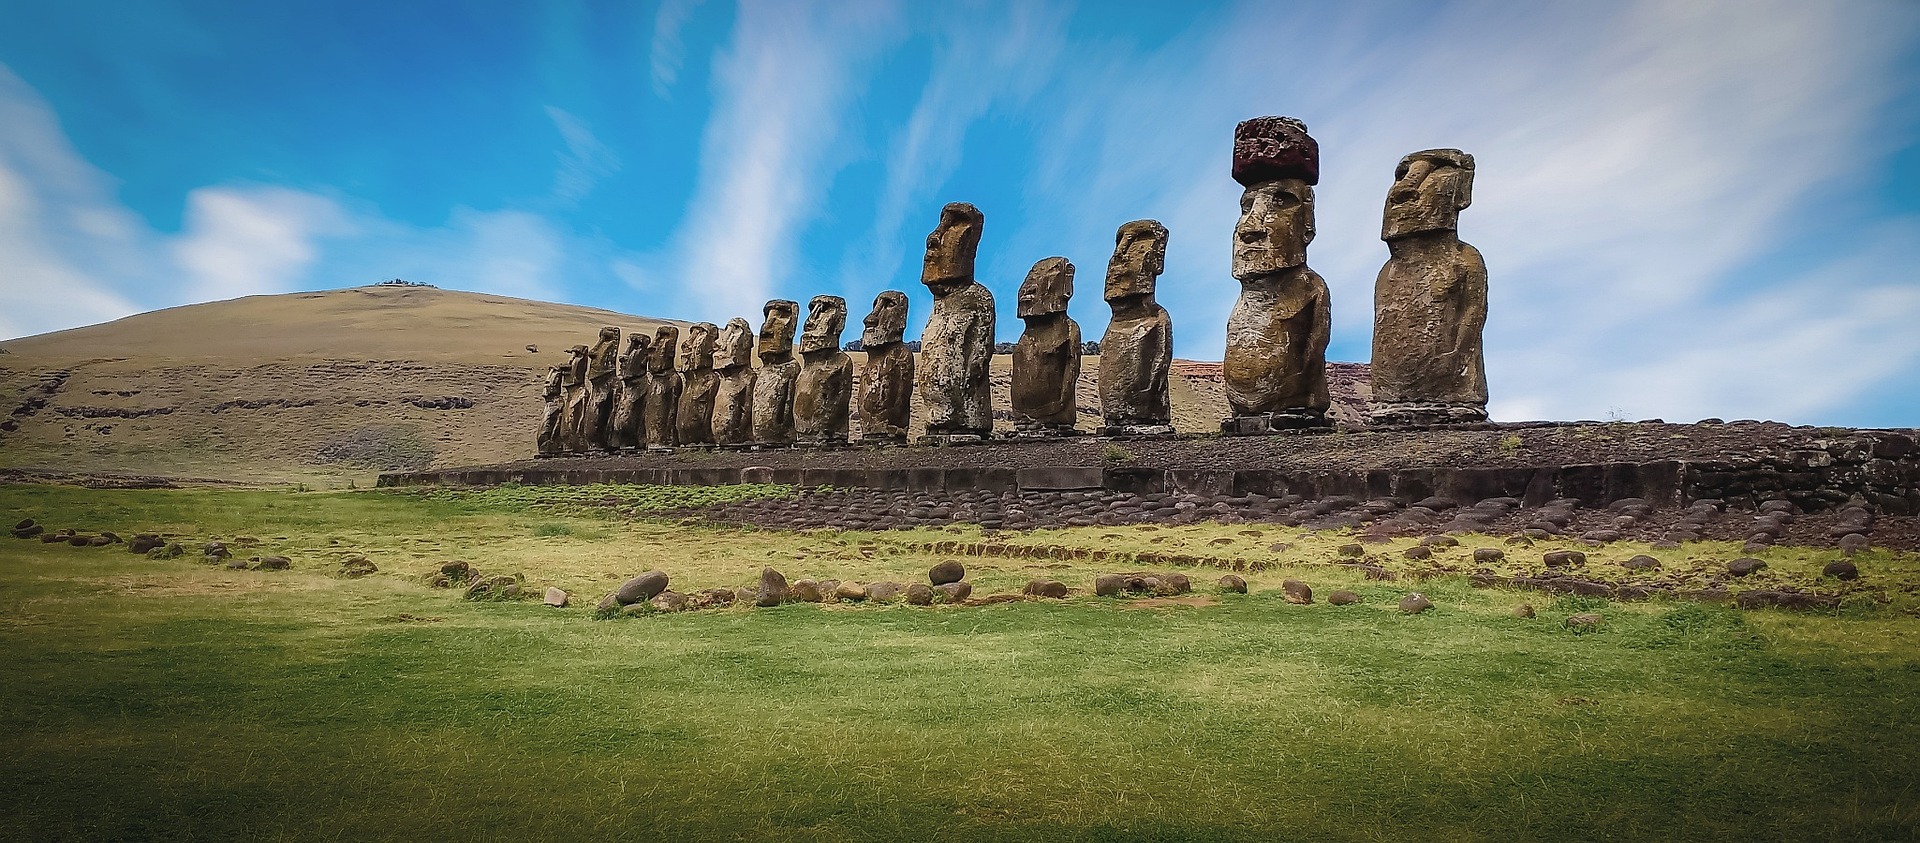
(1430, 301)
(624, 431)
(823, 394)
(698, 386)
(574, 381)
(733, 395)
(1275, 366)
(1046, 360)
(773, 385)
(1137, 350)
(603, 368)
(956, 349)
(886, 382)
(554, 394)
(659, 416)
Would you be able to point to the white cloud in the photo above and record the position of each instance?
(585, 161)
(668, 53)
(252, 241)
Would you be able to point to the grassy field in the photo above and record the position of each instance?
(168, 699)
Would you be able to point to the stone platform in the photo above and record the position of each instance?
(1595, 463)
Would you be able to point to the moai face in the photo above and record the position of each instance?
(1048, 287)
(665, 343)
(826, 318)
(736, 345)
(887, 322)
(1430, 189)
(1139, 256)
(1276, 224)
(951, 247)
(776, 330)
(696, 355)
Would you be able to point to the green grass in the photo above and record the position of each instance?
(165, 699)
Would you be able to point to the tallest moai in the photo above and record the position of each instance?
(1430, 301)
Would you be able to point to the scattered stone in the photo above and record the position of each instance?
(1641, 563)
(636, 609)
(850, 591)
(1440, 541)
(80, 540)
(1488, 555)
(642, 588)
(1744, 566)
(1342, 597)
(1177, 583)
(1352, 550)
(1046, 588)
(884, 592)
(947, 572)
(173, 550)
(1583, 621)
(773, 589)
(144, 542)
(99, 541)
(24, 524)
(805, 591)
(670, 601)
(273, 563)
(1564, 559)
(1232, 583)
(1841, 569)
(953, 592)
(355, 567)
(111, 536)
(1764, 599)
(1415, 603)
(28, 531)
(556, 598)
(920, 594)
(1108, 585)
(1524, 610)
(455, 570)
(1853, 543)
(1418, 552)
(608, 605)
(1297, 592)
(500, 587)
(235, 563)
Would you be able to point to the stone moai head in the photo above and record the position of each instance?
(666, 340)
(610, 334)
(951, 247)
(1048, 287)
(697, 354)
(1430, 189)
(826, 318)
(776, 330)
(735, 348)
(1278, 164)
(887, 322)
(1139, 256)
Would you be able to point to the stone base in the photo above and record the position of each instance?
(1043, 431)
(826, 444)
(940, 440)
(734, 446)
(697, 446)
(1426, 415)
(1267, 423)
(660, 450)
(770, 446)
(883, 439)
(1138, 431)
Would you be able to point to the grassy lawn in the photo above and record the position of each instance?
(168, 699)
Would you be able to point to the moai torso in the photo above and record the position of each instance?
(956, 349)
(698, 386)
(886, 381)
(603, 368)
(1046, 359)
(1136, 353)
(1430, 300)
(733, 389)
(773, 385)
(578, 406)
(624, 430)
(662, 410)
(823, 392)
(1275, 365)
(554, 396)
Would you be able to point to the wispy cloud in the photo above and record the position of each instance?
(252, 241)
(584, 162)
(668, 52)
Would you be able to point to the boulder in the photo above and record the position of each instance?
(920, 594)
(355, 567)
(273, 563)
(81, 540)
(1342, 597)
(946, 572)
(1744, 566)
(953, 592)
(744, 594)
(1564, 559)
(1352, 550)
(850, 591)
(1109, 585)
(670, 601)
(1488, 555)
(235, 563)
(455, 570)
(1045, 588)
(556, 598)
(1583, 621)
(1853, 543)
(1415, 603)
(805, 591)
(608, 605)
(1233, 583)
(1179, 583)
(1642, 562)
(642, 588)
(28, 532)
(1524, 610)
(501, 587)
(772, 590)
(1418, 551)
(173, 550)
(1841, 569)
(144, 542)
(111, 536)
(99, 541)
(24, 524)
(1440, 541)
(884, 592)
(1297, 592)
(637, 609)
(713, 598)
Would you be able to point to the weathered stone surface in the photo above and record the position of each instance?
(603, 368)
(608, 605)
(1744, 566)
(714, 598)
(661, 415)
(670, 601)
(1564, 559)
(1046, 359)
(805, 591)
(823, 393)
(557, 598)
(1430, 299)
(355, 567)
(1415, 603)
(1488, 555)
(629, 400)
(641, 588)
(884, 592)
(772, 590)
(1524, 610)
(946, 572)
(1275, 366)
(138, 544)
(553, 408)
(920, 594)
(1584, 621)
(733, 392)
(773, 385)
(851, 592)
(886, 381)
(957, 346)
(574, 383)
(699, 385)
(953, 592)
(1108, 585)
(274, 563)
(1179, 583)
(1641, 562)
(1045, 588)
(1297, 592)
(1233, 583)
(1136, 352)
(1841, 569)
(1342, 597)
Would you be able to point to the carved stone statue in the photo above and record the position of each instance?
(698, 385)
(773, 385)
(1430, 300)
(1046, 360)
(661, 412)
(886, 382)
(574, 382)
(822, 397)
(554, 394)
(956, 349)
(1275, 367)
(733, 395)
(603, 367)
(1137, 350)
(624, 431)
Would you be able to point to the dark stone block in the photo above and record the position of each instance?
(984, 479)
(1060, 477)
(1199, 481)
(1137, 481)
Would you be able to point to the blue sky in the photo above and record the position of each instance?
(1688, 208)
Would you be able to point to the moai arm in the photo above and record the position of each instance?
(980, 344)
(1322, 331)
(1471, 290)
(1157, 353)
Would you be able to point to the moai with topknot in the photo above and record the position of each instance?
(1136, 353)
(733, 395)
(1430, 300)
(1046, 359)
(956, 349)
(886, 381)
(698, 386)
(773, 385)
(823, 395)
(1275, 366)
